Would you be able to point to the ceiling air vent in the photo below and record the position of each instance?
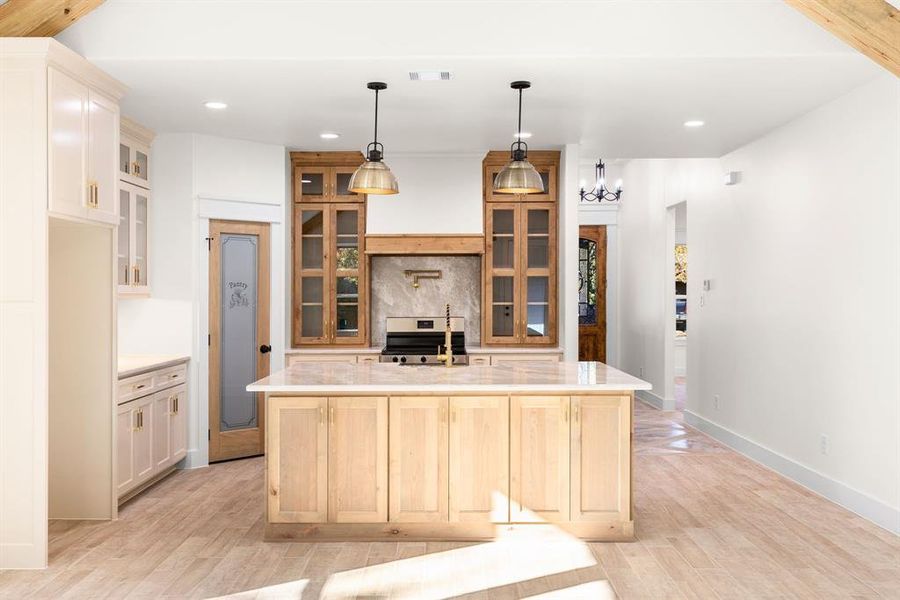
(430, 75)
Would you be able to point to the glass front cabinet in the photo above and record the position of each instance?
(131, 256)
(329, 274)
(520, 268)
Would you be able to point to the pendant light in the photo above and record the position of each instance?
(519, 176)
(373, 176)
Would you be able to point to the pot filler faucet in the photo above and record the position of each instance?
(447, 356)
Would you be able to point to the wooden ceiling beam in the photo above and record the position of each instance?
(870, 26)
(41, 18)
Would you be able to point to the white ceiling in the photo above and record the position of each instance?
(618, 76)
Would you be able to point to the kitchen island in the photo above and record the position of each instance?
(380, 451)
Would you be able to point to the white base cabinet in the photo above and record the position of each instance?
(151, 429)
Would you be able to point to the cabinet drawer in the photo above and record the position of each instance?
(499, 359)
(170, 376)
(293, 359)
(135, 387)
(480, 360)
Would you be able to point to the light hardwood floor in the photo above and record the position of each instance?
(710, 524)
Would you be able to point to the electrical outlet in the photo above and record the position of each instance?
(824, 444)
(716, 402)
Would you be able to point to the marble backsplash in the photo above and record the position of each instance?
(394, 296)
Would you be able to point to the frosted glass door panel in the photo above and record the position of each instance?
(237, 408)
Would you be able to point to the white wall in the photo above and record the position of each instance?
(439, 193)
(800, 334)
(197, 178)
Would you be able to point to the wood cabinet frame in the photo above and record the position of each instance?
(329, 165)
(520, 273)
(329, 274)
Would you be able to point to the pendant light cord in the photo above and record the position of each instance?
(520, 117)
(376, 118)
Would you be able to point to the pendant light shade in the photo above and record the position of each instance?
(519, 176)
(373, 176)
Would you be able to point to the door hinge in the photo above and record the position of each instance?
(209, 242)
(209, 339)
(208, 435)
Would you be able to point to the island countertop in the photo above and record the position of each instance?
(563, 377)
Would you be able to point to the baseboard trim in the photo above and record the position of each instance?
(654, 400)
(855, 501)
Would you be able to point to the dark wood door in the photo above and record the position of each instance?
(592, 293)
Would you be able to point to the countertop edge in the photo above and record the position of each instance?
(475, 350)
(171, 362)
(387, 389)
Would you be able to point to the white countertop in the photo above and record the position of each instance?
(563, 377)
(134, 364)
(469, 350)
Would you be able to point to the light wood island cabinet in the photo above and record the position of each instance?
(376, 451)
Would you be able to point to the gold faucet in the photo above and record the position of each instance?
(447, 356)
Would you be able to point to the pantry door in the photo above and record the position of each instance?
(238, 337)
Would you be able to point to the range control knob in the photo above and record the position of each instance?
(395, 359)
(423, 359)
(403, 359)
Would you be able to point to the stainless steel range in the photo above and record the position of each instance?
(420, 340)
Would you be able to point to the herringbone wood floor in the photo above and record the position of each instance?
(710, 524)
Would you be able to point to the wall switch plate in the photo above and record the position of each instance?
(707, 285)
(716, 402)
(824, 444)
(641, 369)
(732, 177)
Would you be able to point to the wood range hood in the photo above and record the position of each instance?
(424, 244)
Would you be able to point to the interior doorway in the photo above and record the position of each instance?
(679, 259)
(592, 293)
(239, 337)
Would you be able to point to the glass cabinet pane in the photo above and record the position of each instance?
(503, 238)
(140, 240)
(502, 320)
(538, 306)
(141, 165)
(312, 249)
(312, 303)
(124, 158)
(123, 265)
(502, 290)
(347, 308)
(342, 183)
(347, 239)
(538, 250)
(312, 184)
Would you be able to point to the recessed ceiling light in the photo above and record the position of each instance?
(694, 123)
(215, 105)
(523, 135)
(329, 136)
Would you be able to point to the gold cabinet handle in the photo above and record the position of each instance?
(332, 415)
(566, 413)
(136, 168)
(322, 415)
(575, 408)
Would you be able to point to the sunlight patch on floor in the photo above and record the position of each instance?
(512, 558)
(290, 589)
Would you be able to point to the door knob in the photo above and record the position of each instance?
(265, 348)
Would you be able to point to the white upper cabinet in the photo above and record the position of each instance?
(134, 154)
(133, 165)
(83, 142)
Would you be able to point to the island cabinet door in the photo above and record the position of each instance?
(601, 458)
(418, 459)
(296, 460)
(539, 459)
(357, 460)
(479, 459)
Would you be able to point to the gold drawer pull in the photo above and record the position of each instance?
(139, 386)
